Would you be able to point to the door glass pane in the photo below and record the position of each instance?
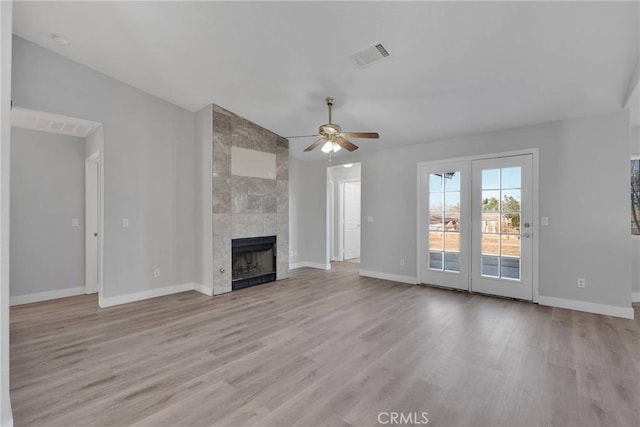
(500, 228)
(452, 242)
(510, 245)
(490, 265)
(510, 178)
(452, 261)
(510, 223)
(435, 260)
(510, 267)
(511, 200)
(435, 202)
(452, 201)
(490, 179)
(444, 221)
(491, 200)
(452, 222)
(490, 244)
(435, 183)
(490, 222)
(435, 241)
(452, 181)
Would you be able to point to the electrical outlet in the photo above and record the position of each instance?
(156, 272)
(582, 283)
(402, 261)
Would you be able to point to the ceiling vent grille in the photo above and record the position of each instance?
(49, 122)
(370, 55)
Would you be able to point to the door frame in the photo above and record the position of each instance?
(341, 233)
(535, 216)
(96, 158)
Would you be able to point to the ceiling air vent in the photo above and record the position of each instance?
(370, 55)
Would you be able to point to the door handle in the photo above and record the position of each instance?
(95, 234)
(526, 235)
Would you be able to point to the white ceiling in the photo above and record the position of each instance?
(455, 68)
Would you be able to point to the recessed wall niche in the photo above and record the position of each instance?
(250, 191)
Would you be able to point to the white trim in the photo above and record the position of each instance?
(635, 297)
(150, 293)
(202, 289)
(296, 265)
(45, 296)
(9, 423)
(332, 226)
(588, 307)
(336, 259)
(386, 276)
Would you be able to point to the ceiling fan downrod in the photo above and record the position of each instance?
(330, 105)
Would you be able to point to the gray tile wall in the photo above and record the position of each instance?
(246, 206)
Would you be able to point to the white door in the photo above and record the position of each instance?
(351, 220)
(502, 246)
(91, 227)
(445, 225)
(475, 225)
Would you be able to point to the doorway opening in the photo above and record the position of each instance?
(57, 206)
(344, 212)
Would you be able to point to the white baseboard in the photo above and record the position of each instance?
(318, 265)
(203, 289)
(151, 293)
(386, 276)
(45, 296)
(336, 259)
(589, 307)
(635, 297)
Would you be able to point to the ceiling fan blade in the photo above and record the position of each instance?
(373, 135)
(347, 145)
(315, 144)
(301, 136)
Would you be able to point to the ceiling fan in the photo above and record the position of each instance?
(332, 137)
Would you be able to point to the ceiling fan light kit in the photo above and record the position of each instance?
(332, 137)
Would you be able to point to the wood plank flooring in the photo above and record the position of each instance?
(322, 348)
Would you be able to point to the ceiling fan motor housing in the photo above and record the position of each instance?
(329, 130)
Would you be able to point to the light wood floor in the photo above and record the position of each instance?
(322, 348)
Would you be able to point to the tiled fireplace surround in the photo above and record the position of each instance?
(246, 206)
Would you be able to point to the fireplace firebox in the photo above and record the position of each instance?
(253, 261)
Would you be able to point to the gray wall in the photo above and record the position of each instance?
(47, 191)
(584, 180)
(635, 246)
(149, 151)
(6, 16)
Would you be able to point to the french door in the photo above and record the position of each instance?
(445, 225)
(476, 225)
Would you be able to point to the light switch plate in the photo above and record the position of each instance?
(125, 222)
(75, 222)
(369, 219)
(544, 220)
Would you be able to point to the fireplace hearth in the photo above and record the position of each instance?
(253, 261)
